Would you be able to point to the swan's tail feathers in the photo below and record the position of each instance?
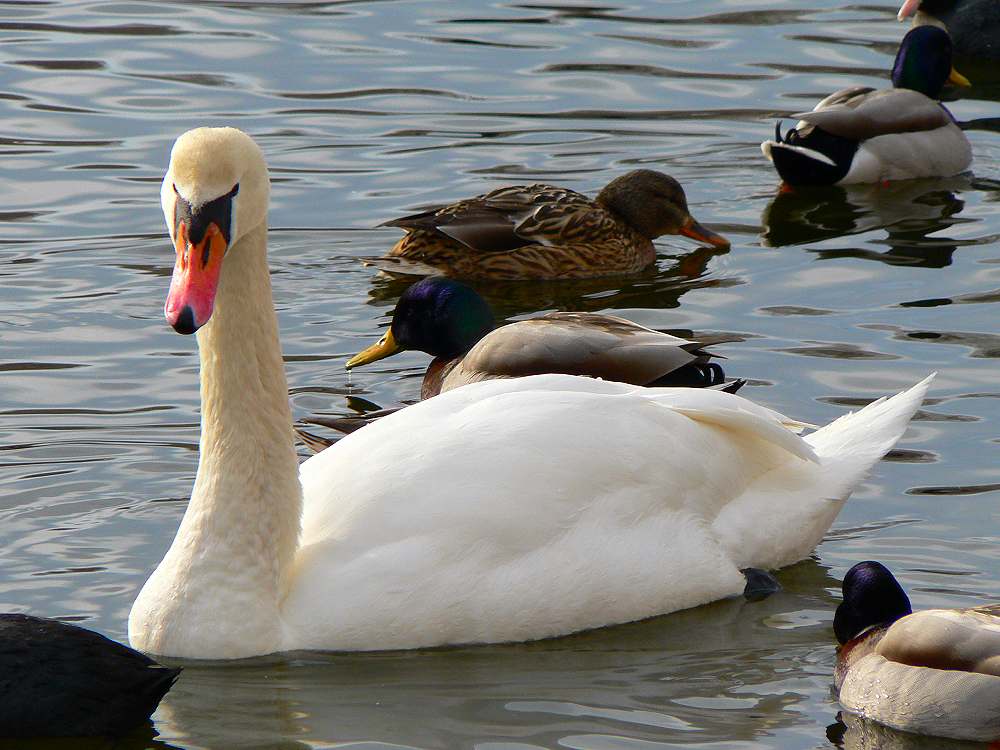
(851, 445)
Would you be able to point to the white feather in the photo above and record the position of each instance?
(766, 147)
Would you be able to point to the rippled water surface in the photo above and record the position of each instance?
(370, 109)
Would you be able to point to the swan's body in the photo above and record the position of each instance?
(61, 680)
(862, 135)
(504, 510)
(935, 672)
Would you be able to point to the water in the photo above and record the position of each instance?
(367, 110)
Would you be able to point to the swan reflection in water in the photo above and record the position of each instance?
(912, 213)
(685, 677)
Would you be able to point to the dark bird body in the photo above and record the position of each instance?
(974, 25)
(60, 680)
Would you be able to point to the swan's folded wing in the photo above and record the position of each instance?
(881, 113)
(770, 428)
(599, 346)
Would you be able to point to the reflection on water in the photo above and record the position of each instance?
(366, 109)
(854, 733)
(910, 212)
(674, 680)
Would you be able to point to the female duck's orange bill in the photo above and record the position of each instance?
(696, 231)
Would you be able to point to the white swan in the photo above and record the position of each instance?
(505, 510)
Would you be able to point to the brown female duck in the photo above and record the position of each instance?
(545, 232)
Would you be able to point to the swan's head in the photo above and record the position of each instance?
(872, 597)
(215, 191)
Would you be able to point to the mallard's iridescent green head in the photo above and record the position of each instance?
(923, 62)
(439, 316)
(872, 596)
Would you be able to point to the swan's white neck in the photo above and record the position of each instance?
(221, 583)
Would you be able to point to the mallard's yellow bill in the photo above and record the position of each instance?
(385, 347)
(958, 79)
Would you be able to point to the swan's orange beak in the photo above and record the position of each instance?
(196, 277)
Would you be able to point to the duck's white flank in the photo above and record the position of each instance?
(921, 700)
(505, 510)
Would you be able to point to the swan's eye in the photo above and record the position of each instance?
(232, 193)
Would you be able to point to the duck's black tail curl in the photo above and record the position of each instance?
(694, 375)
(818, 158)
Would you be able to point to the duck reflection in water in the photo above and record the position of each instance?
(852, 732)
(658, 287)
(910, 212)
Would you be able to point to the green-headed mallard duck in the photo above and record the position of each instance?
(974, 25)
(935, 672)
(860, 134)
(546, 232)
(452, 323)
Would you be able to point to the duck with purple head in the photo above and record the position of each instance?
(934, 672)
(450, 321)
(860, 134)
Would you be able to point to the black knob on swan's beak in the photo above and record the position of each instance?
(185, 321)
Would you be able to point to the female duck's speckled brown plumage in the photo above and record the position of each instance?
(545, 232)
